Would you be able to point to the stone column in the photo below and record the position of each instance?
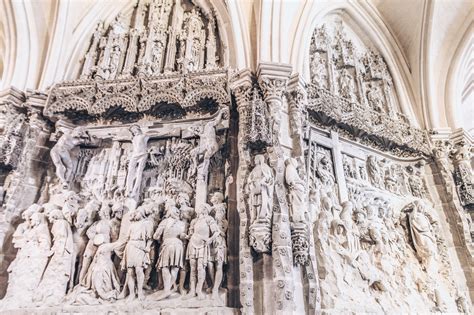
(303, 241)
(443, 171)
(241, 87)
(273, 79)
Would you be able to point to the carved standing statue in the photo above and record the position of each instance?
(296, 191)
(53, 285)
(260, 184)
(137, 161)
(136, 256)
(33, 241)
(170, 232)
(202, 232)
(219, 248)
(61, 153)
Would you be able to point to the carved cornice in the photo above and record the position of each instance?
(176, 94)
(389, 132)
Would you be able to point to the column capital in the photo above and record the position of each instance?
(273, 78)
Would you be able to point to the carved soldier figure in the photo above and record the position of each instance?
(136, 256)
(260, 184)
(296, 191)
(61, 153)
(171, 231)
(137, 161)
(202, 232)
(186, 213)
(219, 246)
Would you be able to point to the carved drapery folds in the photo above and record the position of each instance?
(351, 87)
(463, 174)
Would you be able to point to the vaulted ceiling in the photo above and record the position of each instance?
(428, 43)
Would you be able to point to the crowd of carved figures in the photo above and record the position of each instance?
(163, 36)
(118, 236)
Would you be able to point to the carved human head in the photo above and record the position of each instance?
(78, 131)
(135, 130)
(217, 198)
(183, 199)
(37, 219)
(117, 210)
(55, 215)
(104, 212)
(360, 215)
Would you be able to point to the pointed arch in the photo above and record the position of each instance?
(367, 24)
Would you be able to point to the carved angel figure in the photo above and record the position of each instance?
(260, 184)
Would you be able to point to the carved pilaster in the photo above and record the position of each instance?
(242, 87)
(273, 79)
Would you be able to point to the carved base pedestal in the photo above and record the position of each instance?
(260, 237)
(299, 238)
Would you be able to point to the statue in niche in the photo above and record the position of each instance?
(260, 184)
(171, 231)
(219, 248)
(375, 97)
(202, 233)
(136, 255)
(374, 168)
(114, 62)
(137, 161)
(33, 241)
(346, 85)
(61, 153)
(98, 233)
(296, 191)
(52, 288)
(207, 146)
(320, 72)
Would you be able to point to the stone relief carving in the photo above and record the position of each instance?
(463, 174)
(353, 86)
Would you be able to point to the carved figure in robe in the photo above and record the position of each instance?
(260, 185)
(137, 161)
(375, 97)
(314, 205)
(296, 191)
(219, 246)
(61, 153)
(170, 232)
(98, 233)
(53, 285)
(136, 255)
(33, 241)
(320, 71)
(324, 173)
(422, 235)
(375, 171)
(83, 220)
(202, 232)
(353, 242)
(207, 146)
(415, 183)
(346, 85)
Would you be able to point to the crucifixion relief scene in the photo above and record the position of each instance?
(236, 157)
